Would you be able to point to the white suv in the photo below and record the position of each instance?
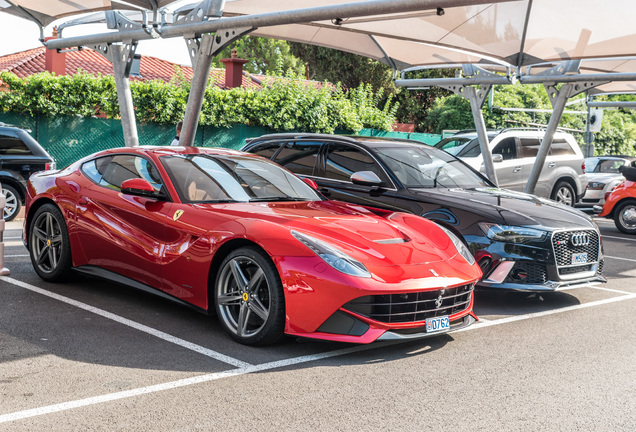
(514, 152)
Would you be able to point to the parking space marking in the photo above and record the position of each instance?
(619, 258)
(507, 320)
(149, 330)
(14, 243)
(16, 256)
(185, 382)
(612, 290)
(617, 238)
(274, 365)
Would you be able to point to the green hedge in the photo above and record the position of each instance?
(283, 105)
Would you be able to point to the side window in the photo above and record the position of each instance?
(10, 143)
(507, 148)
(300, 157)
(344, 160)
(529, 147)
(124, 167)
(561, 147)
(266, 150)
(94, 169)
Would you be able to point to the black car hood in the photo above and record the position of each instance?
(507, 207)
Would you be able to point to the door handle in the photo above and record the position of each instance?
(551, 165)
(516, 169)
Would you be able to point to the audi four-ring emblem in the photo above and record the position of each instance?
(580, 239)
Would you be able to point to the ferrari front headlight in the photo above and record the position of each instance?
(460, 246)
(332, 256)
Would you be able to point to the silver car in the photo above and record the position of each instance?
(602, 176)
(514, 152)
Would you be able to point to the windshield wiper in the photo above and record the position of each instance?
(216, 201)
(279, 198)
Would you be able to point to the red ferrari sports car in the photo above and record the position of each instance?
(225, 231)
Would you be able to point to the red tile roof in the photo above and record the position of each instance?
(32, 61)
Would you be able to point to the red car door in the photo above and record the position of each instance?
(123, 233)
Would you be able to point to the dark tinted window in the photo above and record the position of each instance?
(94, 169)
(529, 147)
(344, 160)
(300, 157)
(561, 147)
(124, 167)
(419, 167)
(266, 150)
(507, 148)
(10, 143)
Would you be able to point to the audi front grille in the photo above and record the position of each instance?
(569, 244)
(412, 307)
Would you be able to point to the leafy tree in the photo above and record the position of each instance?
(351, 70)
(265, 56)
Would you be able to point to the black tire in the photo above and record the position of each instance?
(625, 217)
(49, 246)
(564, 193)
(252, 309)
(13, 204)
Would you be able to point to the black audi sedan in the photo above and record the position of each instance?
(521, 241)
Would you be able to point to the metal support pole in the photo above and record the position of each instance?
(558, 105)
(476, 103)
(209, 46)
(197, 91)
(120, 59)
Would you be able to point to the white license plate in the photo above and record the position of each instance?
(437, 324)
(579, 258)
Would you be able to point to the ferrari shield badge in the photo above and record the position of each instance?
(177, 215)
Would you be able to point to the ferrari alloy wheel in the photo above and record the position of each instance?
(49, 246)
(249, 297)
(564, 193)
(13, 204)
(625, 217)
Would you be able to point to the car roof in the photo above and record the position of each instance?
(353, 139)
(171, 150)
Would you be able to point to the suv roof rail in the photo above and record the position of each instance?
(463, 131)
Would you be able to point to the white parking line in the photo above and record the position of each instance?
(273, 365)
(16, 256)
(14, 243)
(159, 334)
(182, 383)
(618, 238)
(620, 258)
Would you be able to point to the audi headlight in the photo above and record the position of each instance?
(460, 246)
(595, 185)
(332, 256)
(511, 234)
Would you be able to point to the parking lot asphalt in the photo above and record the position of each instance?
(92, 355)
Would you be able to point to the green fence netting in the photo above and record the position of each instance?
(69, 138)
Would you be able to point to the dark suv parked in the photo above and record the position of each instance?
(521, 241)
(20, 156)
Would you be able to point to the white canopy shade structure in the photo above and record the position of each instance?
(520, 36)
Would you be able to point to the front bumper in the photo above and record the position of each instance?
(547, 266)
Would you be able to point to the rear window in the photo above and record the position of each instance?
(266, 150)
(561, 147)
(11, 144)
(300, 157)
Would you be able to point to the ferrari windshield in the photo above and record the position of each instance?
(421, 167)
(222, 178)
